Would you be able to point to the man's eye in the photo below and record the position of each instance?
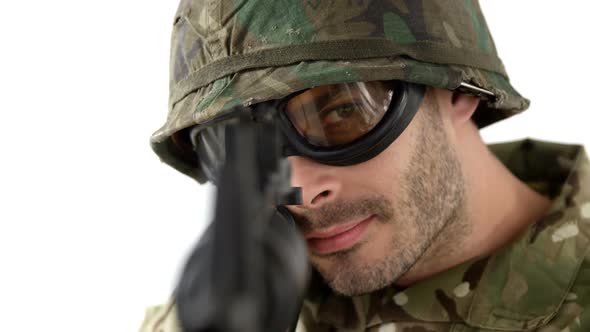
(345, 111)
(338, 114)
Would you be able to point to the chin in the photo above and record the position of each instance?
(351, 287)
(351, 280)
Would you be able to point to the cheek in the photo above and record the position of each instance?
(378, 176)
(383, 173)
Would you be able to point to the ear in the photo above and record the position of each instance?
(463, 106)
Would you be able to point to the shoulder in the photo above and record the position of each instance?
(574, 312)
(542, 280)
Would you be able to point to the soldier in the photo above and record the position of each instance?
(411, 221)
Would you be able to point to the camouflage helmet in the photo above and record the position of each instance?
(227, 53)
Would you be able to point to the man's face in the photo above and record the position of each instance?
(366, 225)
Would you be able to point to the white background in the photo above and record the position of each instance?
(92, 227)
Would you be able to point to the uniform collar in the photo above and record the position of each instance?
(520, 287)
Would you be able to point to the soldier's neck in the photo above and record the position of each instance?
(499, 208)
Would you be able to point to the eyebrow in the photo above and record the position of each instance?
(321, 99)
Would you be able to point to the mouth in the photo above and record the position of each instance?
(337, 238)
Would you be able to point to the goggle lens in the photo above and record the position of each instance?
(334, 115)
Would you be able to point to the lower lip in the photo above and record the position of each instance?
(340, 241)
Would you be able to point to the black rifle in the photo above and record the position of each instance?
(249, 270)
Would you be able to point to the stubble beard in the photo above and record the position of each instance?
(429, 217)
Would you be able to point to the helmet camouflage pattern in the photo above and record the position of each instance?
(227, 53)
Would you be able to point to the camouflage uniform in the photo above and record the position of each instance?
(540, 282)
(233, 52)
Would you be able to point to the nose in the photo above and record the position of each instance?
(319, 183)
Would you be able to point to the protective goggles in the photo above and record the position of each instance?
(339, 125)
